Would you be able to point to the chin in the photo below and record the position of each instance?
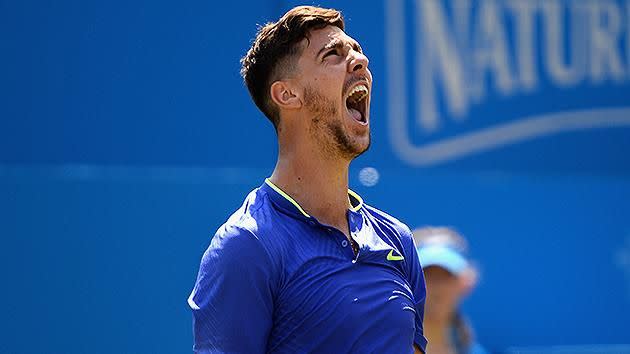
(359, 147)
(365, 147)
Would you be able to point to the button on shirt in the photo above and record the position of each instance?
(276, 280)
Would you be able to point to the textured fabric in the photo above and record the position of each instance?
(275, 280)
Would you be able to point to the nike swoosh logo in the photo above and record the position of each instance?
(391, 257)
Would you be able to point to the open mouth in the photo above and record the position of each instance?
(356, 103)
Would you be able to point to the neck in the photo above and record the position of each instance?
(317, 182)
(439, 318)
(437, 330)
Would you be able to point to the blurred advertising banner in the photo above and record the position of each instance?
(470, 77)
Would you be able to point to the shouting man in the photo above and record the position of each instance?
(305, 266)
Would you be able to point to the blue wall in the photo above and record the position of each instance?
(127, 137)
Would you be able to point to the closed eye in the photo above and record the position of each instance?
(330, 52)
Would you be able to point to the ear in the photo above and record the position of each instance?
(285, 95)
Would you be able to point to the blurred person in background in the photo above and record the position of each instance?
(449, 277)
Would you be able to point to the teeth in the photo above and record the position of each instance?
(360, 88)
(358, 93)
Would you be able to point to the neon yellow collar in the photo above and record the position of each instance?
(351, 195)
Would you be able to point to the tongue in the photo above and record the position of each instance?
(355, 114)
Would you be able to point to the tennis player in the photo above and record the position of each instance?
(305, 266)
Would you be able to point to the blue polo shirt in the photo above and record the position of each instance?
(276, 280)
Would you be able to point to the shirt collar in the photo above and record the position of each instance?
(283, 200)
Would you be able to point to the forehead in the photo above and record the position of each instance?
(438, 273)
(319, 38)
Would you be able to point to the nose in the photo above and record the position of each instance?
(357, 62)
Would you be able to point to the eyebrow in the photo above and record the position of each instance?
(338, 43)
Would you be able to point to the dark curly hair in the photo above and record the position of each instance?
(274, 49)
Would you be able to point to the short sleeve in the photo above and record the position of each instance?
(232, 301)
(418, 287)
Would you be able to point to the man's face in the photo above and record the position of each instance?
(336, 83)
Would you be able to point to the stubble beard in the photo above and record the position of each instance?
(327, 128)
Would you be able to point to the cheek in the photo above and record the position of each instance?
(444, 289)
(330, 80)
(435, 289)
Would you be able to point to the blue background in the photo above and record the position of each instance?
(127, 138)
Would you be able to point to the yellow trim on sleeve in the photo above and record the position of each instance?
(282, 193)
